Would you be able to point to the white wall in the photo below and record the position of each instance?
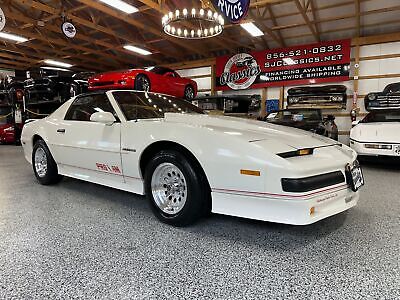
(202, 77)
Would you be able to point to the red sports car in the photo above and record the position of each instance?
(154, 79)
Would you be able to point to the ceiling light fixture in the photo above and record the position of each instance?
(121, 5)
(13, 37)
(194, 24)
(55, 69)
(252, 29)
(137, 50)
(56, 63)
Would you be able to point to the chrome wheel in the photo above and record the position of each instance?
(189, 93)
(169, 188)
(144, 84)
(40, 162)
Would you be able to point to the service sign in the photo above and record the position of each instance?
(233, 10)
(2, 20)
(307, 64)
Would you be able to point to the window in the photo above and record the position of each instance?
(382, 116)
(392, 88)
(83, 107)
(142, 105)
(159, 70)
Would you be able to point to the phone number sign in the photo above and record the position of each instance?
(307, 64)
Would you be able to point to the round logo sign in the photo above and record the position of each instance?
(240, 72)
(68, 29)
(233, 10)
(2, 20)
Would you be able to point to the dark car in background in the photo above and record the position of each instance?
(309, 119)
(308, 96)
(236, 105)
(54, 88)
(389, 98)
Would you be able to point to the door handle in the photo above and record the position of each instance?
(61, 130)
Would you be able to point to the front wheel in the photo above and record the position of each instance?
(142, 83)
(44, 166)
(189, 93)
(175, 188)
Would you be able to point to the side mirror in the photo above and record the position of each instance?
(354, 123)
(103, 117)
(169, 74)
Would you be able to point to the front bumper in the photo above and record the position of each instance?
(360, 148)
(288, 209)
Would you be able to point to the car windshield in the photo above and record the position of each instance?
(392, 88)
(382, 116)
(5, 115)
(295, 115)
(159, 70)
(143, 105)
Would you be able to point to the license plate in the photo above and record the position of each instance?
(355, 178)
(396, 149)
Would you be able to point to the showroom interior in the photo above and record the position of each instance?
(199, 149)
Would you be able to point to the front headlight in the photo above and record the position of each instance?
(294, 100)
(337, 98)
(371, 96)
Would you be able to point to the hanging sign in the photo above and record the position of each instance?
(307, 64)
(2, 20)
(233, 10)
(68, 29)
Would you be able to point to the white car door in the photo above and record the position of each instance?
(89, 150)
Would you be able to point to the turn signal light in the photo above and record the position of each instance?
(312, 211)
(300, 152)
(305, 151)
(250, 172)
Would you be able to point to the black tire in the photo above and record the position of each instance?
(189, 93)
(142, 83)
(198, 192)
(51, 175)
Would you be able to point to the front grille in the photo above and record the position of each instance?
(306, 184)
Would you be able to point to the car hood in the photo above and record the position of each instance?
(376, 132)
(276, 137)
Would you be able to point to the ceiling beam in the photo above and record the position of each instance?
(307, 20)
(51, 10)
(143, 26)
(79, 36)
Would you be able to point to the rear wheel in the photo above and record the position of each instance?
(175, 188)
(44, 166)
(142, 83)
(189, 93)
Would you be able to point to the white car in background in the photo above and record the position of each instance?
(377, 134)
(189, 163)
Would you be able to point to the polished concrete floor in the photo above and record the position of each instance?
(80, 240)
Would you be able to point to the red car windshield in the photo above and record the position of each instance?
(143, 105)
(159, 70)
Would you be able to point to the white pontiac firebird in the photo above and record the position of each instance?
(189, 163)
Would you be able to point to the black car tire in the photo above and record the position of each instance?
(50, 176)
(140, 83)
(195, 187)
(189, 93)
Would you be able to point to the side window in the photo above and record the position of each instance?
(83, 107)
